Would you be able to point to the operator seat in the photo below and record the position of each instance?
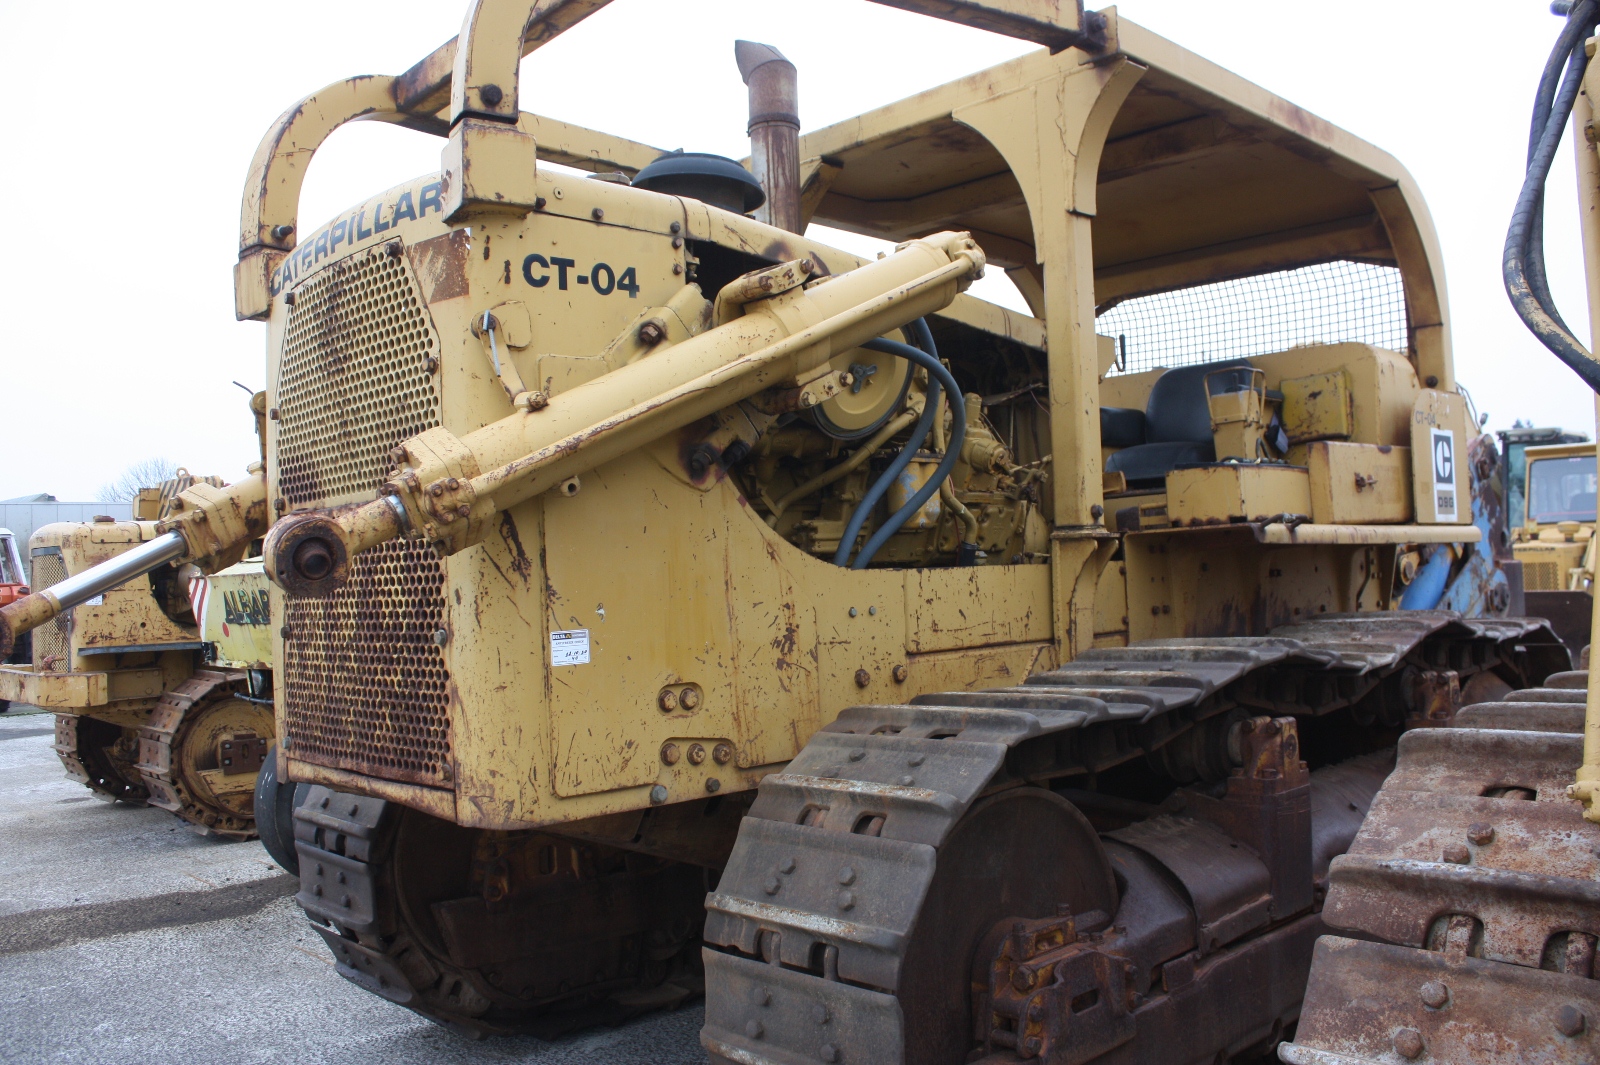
(1173, 430)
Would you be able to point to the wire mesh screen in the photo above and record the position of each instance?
(1330, 303)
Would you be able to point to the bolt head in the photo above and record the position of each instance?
(689, 699)
(1408, 1043)
(863, 678)
(786, 866)
(829, 1053)
(847, 875)
(658, 794)
(713, 785)
(772, 886)
(670, 753)
(1480, 833)
(847, 900)
(667, 700)
(697, 754)
(900, 673)
(1457, 854)
(1434, 995)
(599, 213)
(723, 753)
(761, 996)
(754, 1030)
(1570, 1021)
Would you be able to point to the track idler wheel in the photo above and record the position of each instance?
(1018, 857)
(201, 751)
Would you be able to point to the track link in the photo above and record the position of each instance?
(1480, 881)
(810, 929)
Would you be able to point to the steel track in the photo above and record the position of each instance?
(799, 970)
(1474, 887)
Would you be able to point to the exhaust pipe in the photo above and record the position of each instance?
(774, 130)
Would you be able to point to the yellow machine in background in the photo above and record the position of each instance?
(666, 601)
(139, 715)
(1554, 539)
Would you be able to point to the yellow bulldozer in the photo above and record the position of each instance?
(666, 603)
(158, 696)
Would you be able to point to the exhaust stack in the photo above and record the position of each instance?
(774, 130)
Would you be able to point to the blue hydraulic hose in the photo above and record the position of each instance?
(939, 379)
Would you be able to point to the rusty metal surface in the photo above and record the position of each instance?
(847, 811)
(363, 676)
(1481, 879)
(774, 131)
(1452, 833)
(358, 328)
(1525, 715)
(1371, 1003)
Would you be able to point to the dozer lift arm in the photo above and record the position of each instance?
(447, 487)
(211, 527)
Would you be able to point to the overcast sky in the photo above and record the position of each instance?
(134, 125)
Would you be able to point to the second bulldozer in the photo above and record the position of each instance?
(667, 602)
(158, 695)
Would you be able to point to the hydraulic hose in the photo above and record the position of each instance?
(939, 379)
(1523, 264)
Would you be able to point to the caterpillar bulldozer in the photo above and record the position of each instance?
(666, 603)
(158, 696)
(1467, 905)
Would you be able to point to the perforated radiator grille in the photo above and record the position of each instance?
(354, 381)
(52, 641)
(1542, 577)
(365, 684)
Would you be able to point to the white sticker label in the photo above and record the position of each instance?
(96, 601)
(1444, 475)
(569, 648)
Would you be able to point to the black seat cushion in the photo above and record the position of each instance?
(1177, 426)
(1121, 427)
(1177, 408)
(1147, 465)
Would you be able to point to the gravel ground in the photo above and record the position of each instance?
(125, 937)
